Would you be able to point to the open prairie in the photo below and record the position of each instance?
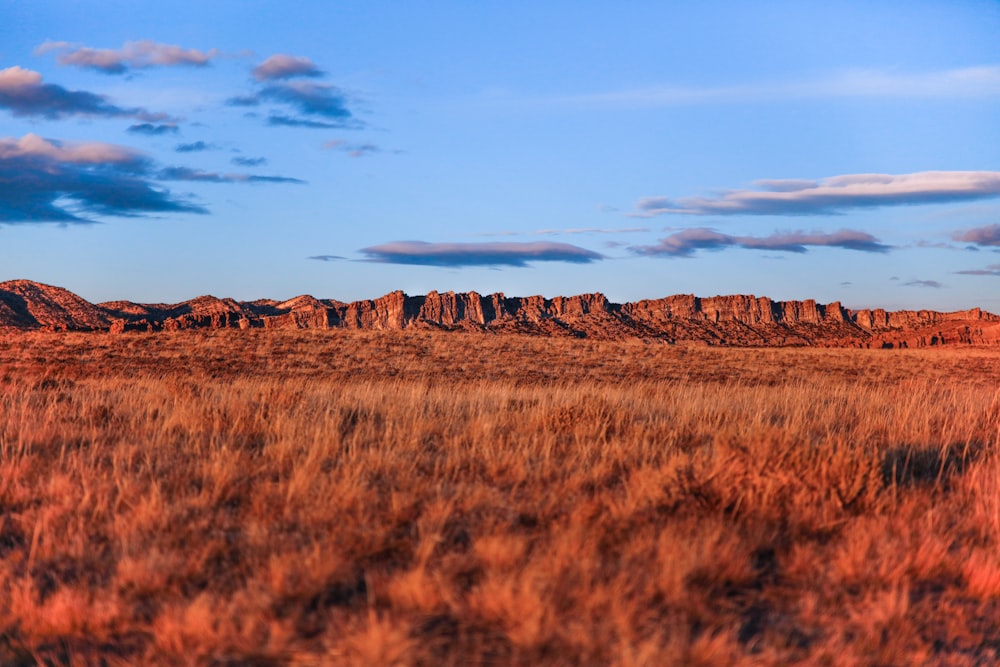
(418, 498)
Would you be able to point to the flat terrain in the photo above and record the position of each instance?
(314, 497)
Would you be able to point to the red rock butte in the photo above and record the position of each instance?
(737, 320)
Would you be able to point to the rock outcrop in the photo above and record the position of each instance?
(720, 320)
(28, 305)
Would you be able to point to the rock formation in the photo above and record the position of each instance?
(720, 320)
(28, 305)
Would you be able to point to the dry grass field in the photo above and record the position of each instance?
(367, 498)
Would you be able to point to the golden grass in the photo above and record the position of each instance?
(387, 498)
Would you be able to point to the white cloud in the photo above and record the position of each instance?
(834, 194)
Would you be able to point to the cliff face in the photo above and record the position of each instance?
(720, 320)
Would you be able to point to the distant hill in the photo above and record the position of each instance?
(28, 305)
(736, 320)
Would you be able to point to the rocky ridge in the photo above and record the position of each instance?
(738, 320)
(29, 305)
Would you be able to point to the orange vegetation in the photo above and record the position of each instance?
(418, 498)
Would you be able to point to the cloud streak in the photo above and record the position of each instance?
(571, 230)
(197, 175)
(249, 161)
(281, 120)
(132, 55)
(991, 270)
(352, 149)
(43, 180)
(966, 82)
(833, 195)
(153, 129)
(685, 243)
(477, 254)
(194, 147)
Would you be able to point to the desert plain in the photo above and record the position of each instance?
(421, 497)
(499, 334)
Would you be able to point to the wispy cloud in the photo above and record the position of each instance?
(327, 258)
(194, 147)
(834, 194)
(249, 161)
(153, 129)
(280, 120)
(991, 270)
(45, 180)
(478, 254)
(250, 100)
(188, 174)
(283, 66)
(132, 55)
(571, 230)
(940, 245)
(981, 236)
(23, 93)
(685, 243)
(932, 284)
(352, 149)
(967, 82)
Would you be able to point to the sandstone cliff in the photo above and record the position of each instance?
(721, 320)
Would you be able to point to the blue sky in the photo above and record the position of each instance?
(836, 151)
